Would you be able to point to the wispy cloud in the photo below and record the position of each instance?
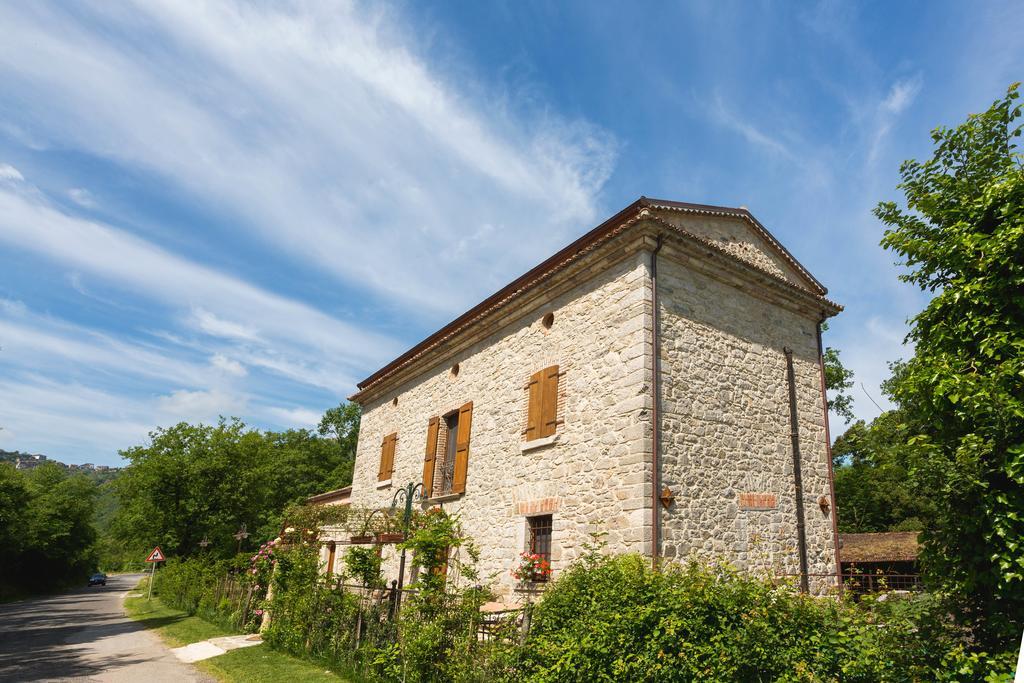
(725, 117)
(319, 127)
(82, 197)
(9, 173)
(901, 96)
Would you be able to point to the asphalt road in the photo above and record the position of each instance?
(84, 635)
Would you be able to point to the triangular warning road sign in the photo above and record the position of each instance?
(156, 556)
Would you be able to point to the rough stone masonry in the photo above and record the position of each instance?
(727, 302)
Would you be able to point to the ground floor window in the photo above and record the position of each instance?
(539, 542)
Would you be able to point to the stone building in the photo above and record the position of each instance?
(659, 380)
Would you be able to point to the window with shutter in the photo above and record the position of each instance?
(387, 457)
(542, 410)
(430, 458)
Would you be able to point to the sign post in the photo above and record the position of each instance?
(154, 557)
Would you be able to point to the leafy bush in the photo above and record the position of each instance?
(615, 618)
(606, 618)
(221, 591)
(363, 564)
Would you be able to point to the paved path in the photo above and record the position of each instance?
(84, 635)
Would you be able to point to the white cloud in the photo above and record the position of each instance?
(317, 134)
(201, 406)
(218, 327)
(321, 128)
(33, 341)
(82, 197)
(902, 95)
(8, 172)
(228, 365)
(12, 307)
(179, 283)
(725, 117)
(296, 417)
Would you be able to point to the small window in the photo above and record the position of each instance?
(538, 540)
(331, 550)
(455, 371)
(542, 410)
(451, 422)
(548, 320)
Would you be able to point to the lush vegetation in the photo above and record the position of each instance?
(606, 617)
(47, 538)
(249, 664)
(872, 478)
(615, 618)
(961, 396)
(196, 482)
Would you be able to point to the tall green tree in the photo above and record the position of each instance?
(342, 423)
(192, 482)
(47, 538)
(873, 492)
(961, 238)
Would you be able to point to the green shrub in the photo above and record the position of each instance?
(615, 618)
(217, 590)
(363, 564)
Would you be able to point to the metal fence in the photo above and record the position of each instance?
(866, 582)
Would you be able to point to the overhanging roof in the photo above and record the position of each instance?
(888, 546)
(576, 249)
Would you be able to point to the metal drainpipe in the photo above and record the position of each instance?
(794, 434)
(655, 419)
(828, 457)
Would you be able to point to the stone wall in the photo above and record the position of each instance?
(593, 477)
(726, 449)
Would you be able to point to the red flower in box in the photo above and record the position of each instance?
(532, 567)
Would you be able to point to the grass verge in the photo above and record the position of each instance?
(245, 665)
(175, 627)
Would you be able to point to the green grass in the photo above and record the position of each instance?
(174, 626)
(260, 663)
(245, 665)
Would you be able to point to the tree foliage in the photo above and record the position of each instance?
(47, 539)
(873, 492)
(192, 482)
(961, 238)
(838, 380)
(342, 423)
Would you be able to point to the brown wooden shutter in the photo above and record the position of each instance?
(533, 413)
(387, 457)
(332, 548)
(462, 448)
(549, 404)
(430, 457)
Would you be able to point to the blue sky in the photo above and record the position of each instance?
(243, 209)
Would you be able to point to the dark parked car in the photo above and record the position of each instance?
(98, 579)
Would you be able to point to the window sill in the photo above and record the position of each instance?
(384, 484)
(445, 498)
(534, 444)
(531, 586)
